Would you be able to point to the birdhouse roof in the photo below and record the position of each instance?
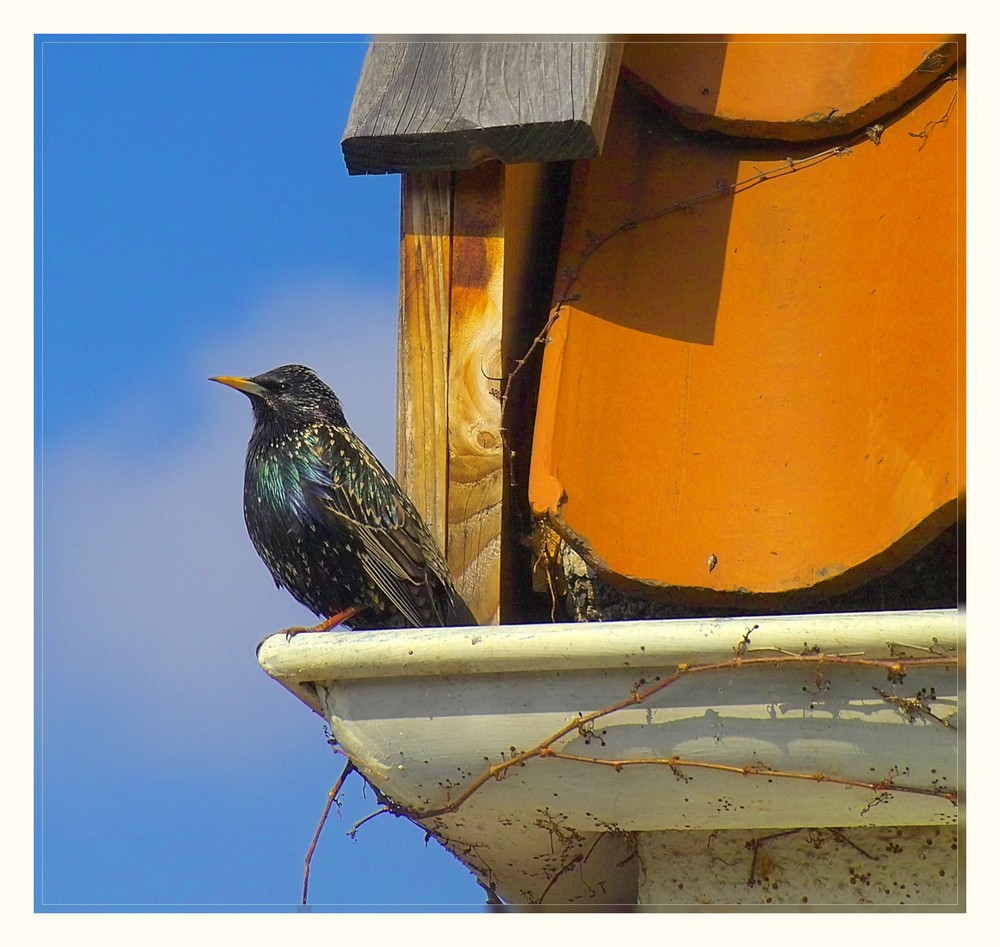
(433, 106)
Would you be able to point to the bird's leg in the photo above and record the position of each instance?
(325, 625)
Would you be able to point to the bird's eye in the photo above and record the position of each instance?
(281, 386)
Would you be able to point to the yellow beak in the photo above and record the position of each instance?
(240, 384)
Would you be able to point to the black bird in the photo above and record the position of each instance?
(329, 521)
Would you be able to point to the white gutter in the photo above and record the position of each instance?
(767, 738)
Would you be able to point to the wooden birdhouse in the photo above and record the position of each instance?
(681, 343)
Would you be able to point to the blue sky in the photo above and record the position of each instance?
(194, 217)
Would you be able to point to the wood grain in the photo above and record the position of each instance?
(475, 473)
(478, 256)
(422, 391)
(436, 106)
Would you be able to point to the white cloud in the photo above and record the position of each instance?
(154, 597)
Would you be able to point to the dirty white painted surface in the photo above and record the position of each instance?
(424, 713)
(898, 865)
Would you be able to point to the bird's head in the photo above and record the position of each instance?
(288, 396)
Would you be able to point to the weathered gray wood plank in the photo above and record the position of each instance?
(439, 105)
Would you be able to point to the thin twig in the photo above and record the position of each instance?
(330, 799)
(572, 863)
(913, 707)
(596, 242)
(895, 666)
(754, 769)
(841, 837)
(371, 815)
(577, 859)
(791, 165)
(757, 842)
(943, 120)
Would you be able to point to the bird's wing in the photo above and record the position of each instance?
(349, 488)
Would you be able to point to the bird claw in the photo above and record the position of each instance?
(325, 625)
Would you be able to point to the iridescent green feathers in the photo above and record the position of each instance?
(328, 520)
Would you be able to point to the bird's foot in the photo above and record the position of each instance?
(326, 625)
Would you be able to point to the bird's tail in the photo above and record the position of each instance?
(459, 613)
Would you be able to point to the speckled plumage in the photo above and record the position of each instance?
(328, 520)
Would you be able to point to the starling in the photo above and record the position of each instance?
(329, 521)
